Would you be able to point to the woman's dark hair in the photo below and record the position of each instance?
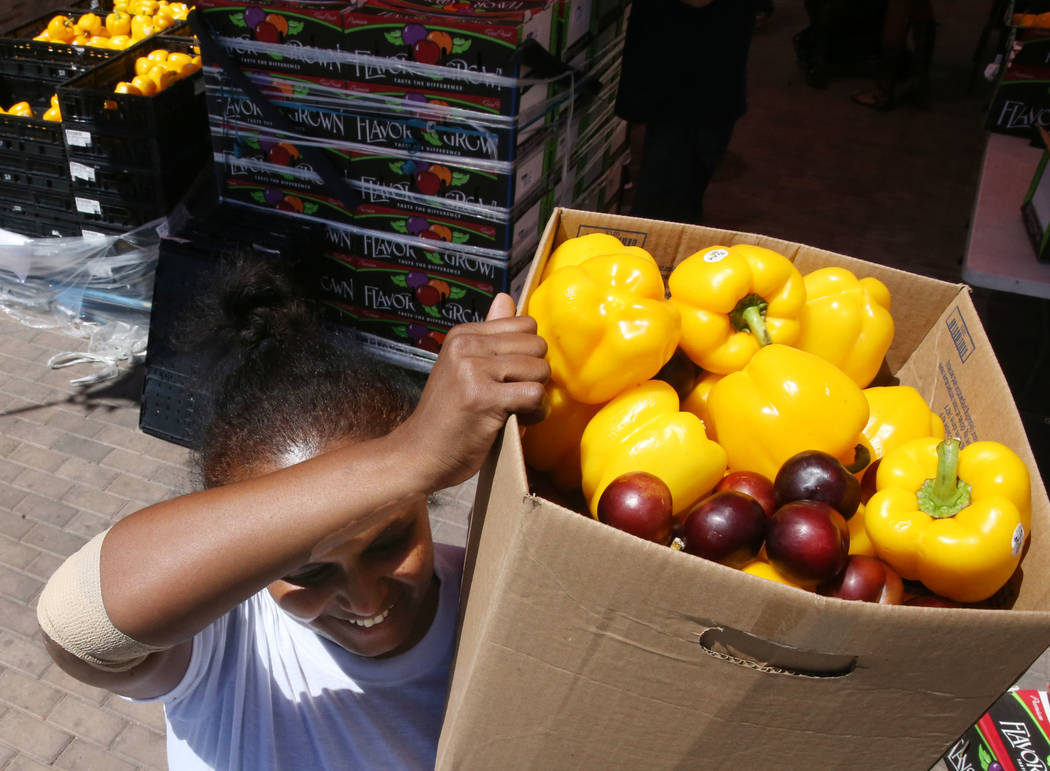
(286, 382)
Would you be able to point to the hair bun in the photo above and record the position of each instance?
(258, 303)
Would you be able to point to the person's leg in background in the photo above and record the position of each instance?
(902, 16)
(679, 158)
(813, 54)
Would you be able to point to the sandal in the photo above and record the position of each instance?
(875, 99)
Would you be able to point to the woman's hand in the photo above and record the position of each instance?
(485, 372)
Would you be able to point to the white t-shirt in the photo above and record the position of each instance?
(262, 691)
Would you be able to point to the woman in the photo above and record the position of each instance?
(295, 613)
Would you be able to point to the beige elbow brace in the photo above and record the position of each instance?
(71, 613)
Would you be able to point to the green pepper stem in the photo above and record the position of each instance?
(756, 322)
(945, 495)
(861, 459)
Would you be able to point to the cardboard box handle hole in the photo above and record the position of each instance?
(754, 652)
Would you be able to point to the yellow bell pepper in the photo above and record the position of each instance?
(955, 520)
(847, 321)
(783, 402)
(573, 251)
(642, 429)
(859, 541)
(696, 400)
(734, 300)
(607, 324)
(553, 445)
(898, 414)
(762, 569)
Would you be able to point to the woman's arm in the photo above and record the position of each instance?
(170, 569)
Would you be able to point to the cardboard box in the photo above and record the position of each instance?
(469, 47)
(327, 108)
(1013, 733)
(302, 30)
(1021, 101)
(584, 647)
(464, 183)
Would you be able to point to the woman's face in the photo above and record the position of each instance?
(376, 594)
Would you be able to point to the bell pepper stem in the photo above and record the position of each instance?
(945, 495)
(756, 322)
(861, 459)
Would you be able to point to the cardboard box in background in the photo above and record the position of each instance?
(1013, 733)
(582, 646)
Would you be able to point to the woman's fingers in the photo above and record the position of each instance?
(502, 306)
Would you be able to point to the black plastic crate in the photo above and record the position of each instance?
(20, 55)
(32, 150)
(15, 129)
(89, 143)
(112, 213)
(177, 390)
(34, 164)
(33, 172)
(32, 198)
(35, 222)
(160, 187)
(90, 99)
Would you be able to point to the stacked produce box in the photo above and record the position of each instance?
(83, 150)
(427, 139)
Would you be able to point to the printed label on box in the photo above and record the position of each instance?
(81, 171)
(88, 206)
(78, 138)
(960, 334)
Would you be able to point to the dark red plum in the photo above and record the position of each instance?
(807, 542)
(638, 503)
(813, 475)
(727, 527)
(868, 579)
(751, 483)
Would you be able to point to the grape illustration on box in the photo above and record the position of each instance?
(268, 150)
(429, 292)
(423, 228)
(428, 46)
(278, 199)
(421, 336)
(429, 178)
(267, 27)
